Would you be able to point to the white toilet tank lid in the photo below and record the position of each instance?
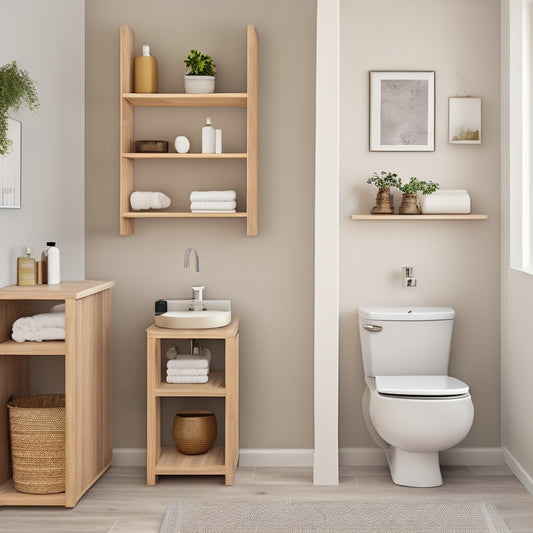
(420, 385)
(406, 313)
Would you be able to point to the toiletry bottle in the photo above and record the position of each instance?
(26, 268)
(44, 266)
(218, 141)
(54, 272)
(208, 137)
(146, 72)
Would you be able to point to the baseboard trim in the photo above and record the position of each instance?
(279, 457)
(518, 470)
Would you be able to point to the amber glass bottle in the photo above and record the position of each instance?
(146, 72)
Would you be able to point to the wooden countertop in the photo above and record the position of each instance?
(63, 291)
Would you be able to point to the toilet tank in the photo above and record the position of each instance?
(405, 340)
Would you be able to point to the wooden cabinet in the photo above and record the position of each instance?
(220, 460)
(130, 100)
(87, 360)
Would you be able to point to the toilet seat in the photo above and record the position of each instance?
(427, 386)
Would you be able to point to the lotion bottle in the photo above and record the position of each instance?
(208, 137)
(145, 72)
(53, 261)
(26, 268)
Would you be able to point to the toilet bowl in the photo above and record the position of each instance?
(413, 429)
(412, 408)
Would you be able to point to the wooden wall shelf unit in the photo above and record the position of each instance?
(129, 100)
(220, 460)
(420, 217)
(87, 353)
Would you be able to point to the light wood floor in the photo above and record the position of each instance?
(121, 502)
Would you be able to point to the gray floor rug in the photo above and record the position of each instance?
(306, 516)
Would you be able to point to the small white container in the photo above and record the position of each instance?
(54, 269)
(208, 137)
(218, 141)
(182, 144)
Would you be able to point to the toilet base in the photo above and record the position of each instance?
(414, 469)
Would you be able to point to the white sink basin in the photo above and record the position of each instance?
(191, 314)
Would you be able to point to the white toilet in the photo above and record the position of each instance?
(412, 408)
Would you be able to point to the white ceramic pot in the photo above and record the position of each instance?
(199, 84)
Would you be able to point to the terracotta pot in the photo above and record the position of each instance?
(384, 203)
(194, 431)
(409, 205)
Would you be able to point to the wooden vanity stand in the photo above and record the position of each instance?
(219, 460)
(87, 360)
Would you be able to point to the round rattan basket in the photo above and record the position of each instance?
(37, 431)
(194, 431)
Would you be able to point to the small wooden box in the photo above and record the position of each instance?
(158, 147)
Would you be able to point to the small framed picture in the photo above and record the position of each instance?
(464, 120)
(10, 176)
(402, 111)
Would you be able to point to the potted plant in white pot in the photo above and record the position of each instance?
(17, 90)
(409, 205)
(384, 182)
(200, 73)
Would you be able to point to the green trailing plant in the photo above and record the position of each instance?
(17, 90)
(384, 180)
(414, 185)
(199, 64)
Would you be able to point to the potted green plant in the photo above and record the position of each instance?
(17, 90)
(384, 182)
(200, 73)
(409, 205)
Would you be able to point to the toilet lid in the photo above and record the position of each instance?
(420, 385)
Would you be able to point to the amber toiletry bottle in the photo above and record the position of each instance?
(146, 72)
(26, 268)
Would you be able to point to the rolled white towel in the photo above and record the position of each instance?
(445, 201)
(148, 200)
(187, 371)
(213, 196)
(41, 327)
(187, 379)
(213, 205)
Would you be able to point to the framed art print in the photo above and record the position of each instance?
(464, 120)
(402, 111)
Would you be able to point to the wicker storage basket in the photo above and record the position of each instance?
(194, 431)
(37, 430)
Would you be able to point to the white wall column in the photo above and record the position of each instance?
(326, 337)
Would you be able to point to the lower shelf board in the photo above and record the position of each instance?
(173, 462)
(184, 214)
(10, 496)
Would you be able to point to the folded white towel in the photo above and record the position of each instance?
(41, 327)
(213, 210)
(445, 201)
(190, 361)
(148, 200)
(214, 205)
(187, 371)
(187, 379)
(213, 196)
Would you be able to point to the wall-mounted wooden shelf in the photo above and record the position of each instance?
(130, 100)
(419, 217)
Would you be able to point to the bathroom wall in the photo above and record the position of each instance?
(269, 278)
(456, 263)
(47, 40)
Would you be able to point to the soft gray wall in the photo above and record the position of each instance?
(456, 263)
(269, 278)
(47, 40)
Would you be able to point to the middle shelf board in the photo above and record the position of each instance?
(11, 347)
(215, 387)
(186, 100)
(173, 155)
(169, 214)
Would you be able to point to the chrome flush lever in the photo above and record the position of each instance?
(372, 328)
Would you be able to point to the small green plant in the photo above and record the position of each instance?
(199, 64)
(414, 185)
(384, 180)
(17, 89)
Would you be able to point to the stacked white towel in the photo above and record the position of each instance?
(188, 368)
(445, 201)
(213, 201)
(41, 327)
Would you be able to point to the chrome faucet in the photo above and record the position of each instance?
(187, 258)
(407, 277)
